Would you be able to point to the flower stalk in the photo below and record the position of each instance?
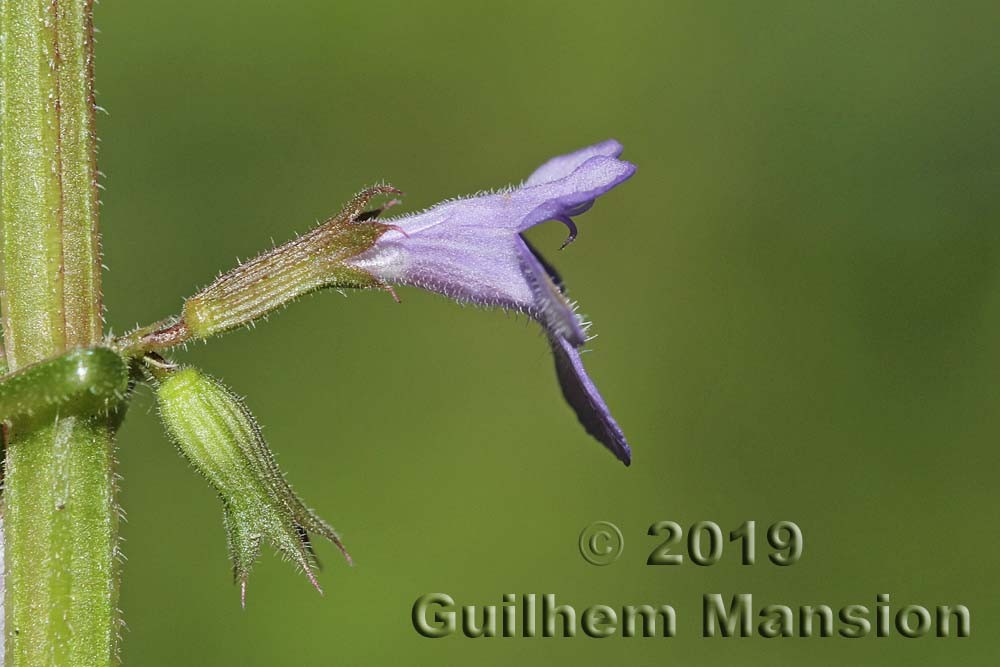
(60, 514)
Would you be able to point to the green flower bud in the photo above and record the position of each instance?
(83, 382)
(217, 433)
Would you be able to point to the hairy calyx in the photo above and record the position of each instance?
(253, 289)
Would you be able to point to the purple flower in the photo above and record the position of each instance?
(472, 249)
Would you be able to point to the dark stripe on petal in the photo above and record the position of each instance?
(550, 307)
(549, 269)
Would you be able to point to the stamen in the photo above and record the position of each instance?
(568, 221)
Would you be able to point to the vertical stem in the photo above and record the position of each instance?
(60, 515)
(3, 448)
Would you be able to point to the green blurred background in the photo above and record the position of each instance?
(797, 297)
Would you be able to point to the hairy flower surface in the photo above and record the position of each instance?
(216, 432)
(472, 249)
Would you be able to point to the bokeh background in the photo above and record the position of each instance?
(797, 300)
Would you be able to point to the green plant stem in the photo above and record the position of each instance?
(60, 522)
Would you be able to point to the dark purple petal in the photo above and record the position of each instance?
(586, 401)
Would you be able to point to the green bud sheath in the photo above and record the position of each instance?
(218, 434)
(255, 288)
(83, 382)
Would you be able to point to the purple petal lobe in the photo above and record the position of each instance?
(564, 165)
(461, 260)
(586, 401)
